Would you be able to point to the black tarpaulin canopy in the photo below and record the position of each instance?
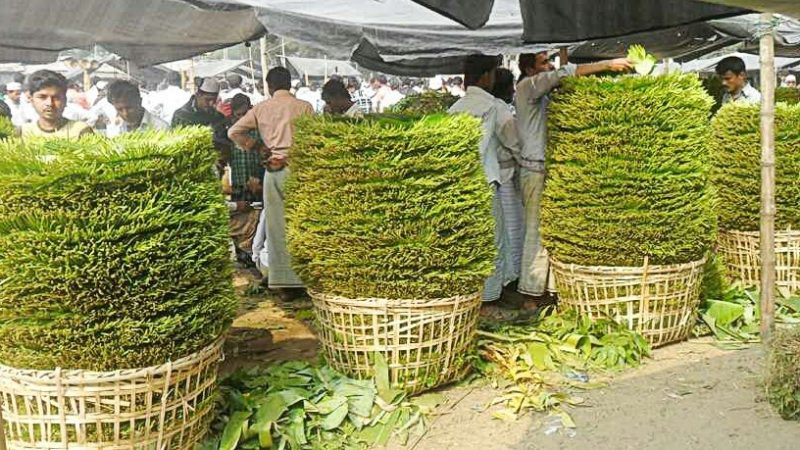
(154, 31)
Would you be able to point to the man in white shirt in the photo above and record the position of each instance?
(380, 89)
(733, 72)
(165, 102)
(130, 114)
(14, 101)
(537, 80)
(392, 97)
(498, 149)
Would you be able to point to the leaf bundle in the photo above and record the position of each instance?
(113, 253)
(736, 162)
(627, 172)
(389, 207)
(429, 102)
(783, 376)
(788, 95)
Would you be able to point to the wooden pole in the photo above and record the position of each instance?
(563, 56)
(263, 42)
(767, 54)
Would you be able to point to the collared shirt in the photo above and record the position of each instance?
(244, 165)
(188, 114)
(748, 94)
(500, 143)
(71, 130)
(531, 106)
(273, 119)
(150, 121)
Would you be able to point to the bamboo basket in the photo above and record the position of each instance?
(741, 253)
(659, 301)
(160, 407)
(425, 342)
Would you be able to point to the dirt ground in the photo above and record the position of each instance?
(689, 396)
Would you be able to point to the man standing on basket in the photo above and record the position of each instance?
(538, 79)
(273, 120)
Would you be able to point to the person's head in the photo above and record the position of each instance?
(377, 82)
(504, 85)
(479, 70)
(206, 95)
(48, 92)
(279, 79)
(125, 97)
(14, 91)
(456, 82)
(336, 97)
(234, 81)
(531, 64)
(353, 84)
(790, 81)
(240, 104)
(733, 73)
(394, 84)
(173, 79)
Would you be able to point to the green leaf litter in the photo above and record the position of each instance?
(113, 253)
(389, 207)
(627, 176)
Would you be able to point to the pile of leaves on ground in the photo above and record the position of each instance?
(542, 364)
(6, 127)
(390, 207)
(734, 317)
(736, 165)
(788, 95)
(627, 175)
(429, 102)
(113, 253)
(783, 373)
(297, 405)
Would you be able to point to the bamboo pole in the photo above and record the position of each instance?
(767, 56)
(263, 42)
(563, 56)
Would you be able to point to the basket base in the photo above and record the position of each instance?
(741, 254)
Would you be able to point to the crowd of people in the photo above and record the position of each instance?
(253, 135)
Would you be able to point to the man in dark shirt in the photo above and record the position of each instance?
(201, 108)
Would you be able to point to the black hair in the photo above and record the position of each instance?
(526, 61)
(504, 85)
(731, 64)
(335, 89)
(46, 78)
(19, 78)
(239, 101)
(279, 78)
(476, 66)
(120, 89)
(457, 81)
(234, 80)
(380, 79)
(352, 82)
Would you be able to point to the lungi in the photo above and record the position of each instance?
(281, 274)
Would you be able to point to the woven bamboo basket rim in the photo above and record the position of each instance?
(373, 302)
(788, 232)
(651, 269)
(89, 377)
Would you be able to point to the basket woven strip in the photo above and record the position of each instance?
(660, 302)
(424, 341)
(741, 252)
(162, 407)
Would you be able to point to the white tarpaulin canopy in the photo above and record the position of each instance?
(322, 67)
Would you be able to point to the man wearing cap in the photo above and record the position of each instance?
(14, 102)
(201, 108)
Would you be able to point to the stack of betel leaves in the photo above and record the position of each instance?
(627, 177)
(430, 102)
(736, 160)
(6, 127)
(388, 207)
(788, 95)
(113, 253)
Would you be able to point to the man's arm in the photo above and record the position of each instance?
(239, 133)
(611, 65)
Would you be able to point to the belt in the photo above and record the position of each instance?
(510, 164)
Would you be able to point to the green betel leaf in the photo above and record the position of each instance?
(724, 313)
(334, 419)
(233, 431)
(642, 61)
